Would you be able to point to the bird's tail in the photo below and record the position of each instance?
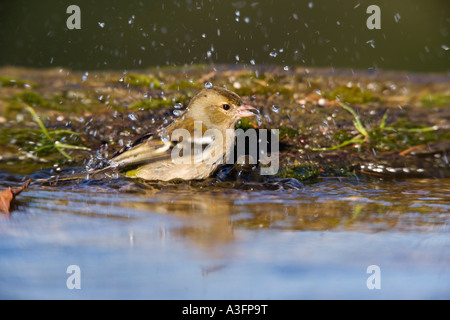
(104, 173)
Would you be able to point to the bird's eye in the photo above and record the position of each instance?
(226, 107)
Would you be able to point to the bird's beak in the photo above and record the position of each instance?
(244, 111)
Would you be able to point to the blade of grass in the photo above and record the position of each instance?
(427, 129)
(63, 152)
(56, 144)
(39, 122)
(357, 121)
(383, 120)
(354, 140)
(69, 146)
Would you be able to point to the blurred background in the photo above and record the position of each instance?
(414, 35)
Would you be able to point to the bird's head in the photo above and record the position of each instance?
(218, 107)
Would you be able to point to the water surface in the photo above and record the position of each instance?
(209, 241)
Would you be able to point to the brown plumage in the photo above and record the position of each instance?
(212, 110)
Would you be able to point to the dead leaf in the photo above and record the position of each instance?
(8, 195)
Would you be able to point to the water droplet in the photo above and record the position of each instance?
(178, 105)
(247, 20)
(238, 13)
(286, 68)
(371, 42)
(446, 48)
(275, 108)
(397, 17)
(310, 5)
(101, 24)
(208, 85)
(252, 62)
(273, 54)
(177, 113)
(203, 35)
(84, 77)
(237, 57)
(132, 117)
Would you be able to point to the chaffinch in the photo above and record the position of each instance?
(192, 147)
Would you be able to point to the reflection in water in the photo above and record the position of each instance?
(209, 215)
(205, 240)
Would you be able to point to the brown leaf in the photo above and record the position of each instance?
(8, 195)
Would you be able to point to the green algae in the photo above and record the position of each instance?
(34, 99)
(435, 100)
(151, 104)
(141, 80)
(288, 132)
(353, 95)
(6, 81)
(300, 172)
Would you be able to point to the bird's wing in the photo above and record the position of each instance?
(147, 149)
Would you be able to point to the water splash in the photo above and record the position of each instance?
(208, 85)
(84, 77)
(371, 43)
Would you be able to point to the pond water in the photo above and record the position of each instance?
(210, 241)
(132, 65)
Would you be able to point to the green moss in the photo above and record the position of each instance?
(34, 140)
(15, 82)
(341, 135)
(265, 90)
(288, 132)
(401, 140)
(142, 80)
(435, 100)
(183, 85)
(273, 89)
(244, 124)
(152, 104)
(244, 91)
(34, 99)
(352, 95)
(14, 107)
(300, 173)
